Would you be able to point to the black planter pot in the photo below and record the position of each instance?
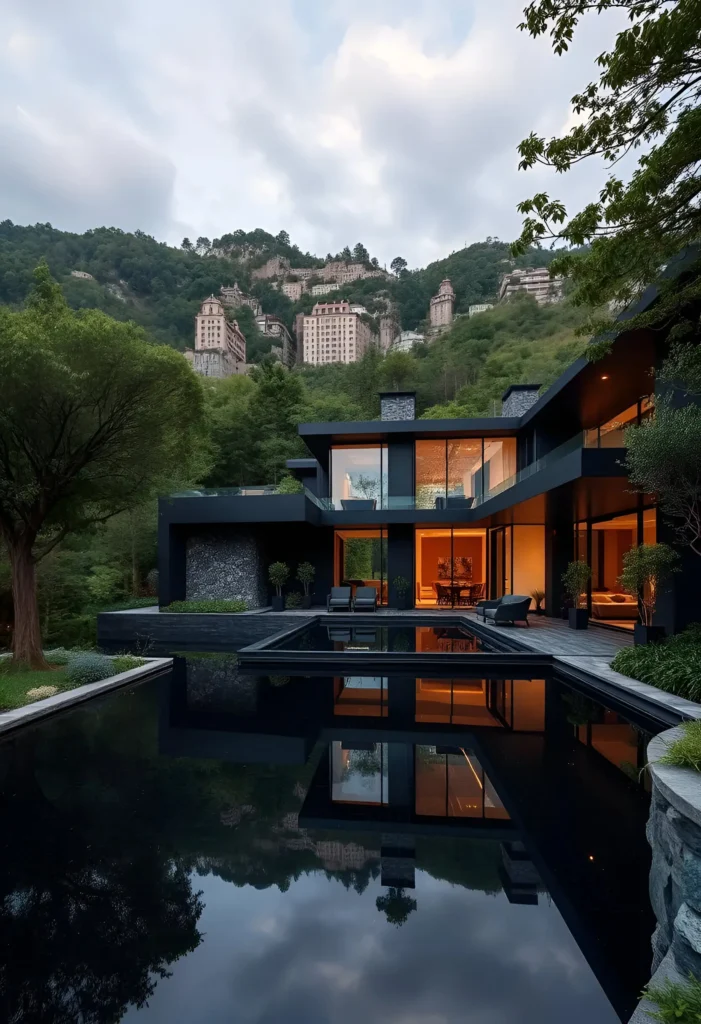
(402, 603)
(278, 604)
(647, 634)
(307, 601)
(578, 618)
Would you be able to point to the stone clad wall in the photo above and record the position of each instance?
(674, 834)
(225, 565)
(401, 407)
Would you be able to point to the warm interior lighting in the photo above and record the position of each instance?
(591, 856)
(604, 376)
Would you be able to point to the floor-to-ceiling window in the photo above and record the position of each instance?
(451, 783)
(360, 560)
(603, 543)
(359, 474)
(517, 561)
(450, 567)
(454, 472)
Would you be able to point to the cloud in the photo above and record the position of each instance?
(394, 123)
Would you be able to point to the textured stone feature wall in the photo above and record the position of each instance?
(519, 402)
(674, 833)
(401, 407)
(225, 564)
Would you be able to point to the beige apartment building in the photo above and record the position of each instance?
(220, 347)
(536, 281)
(479, 307)
(234, 297)
(332, 334)
(442, 306)
(294, 289)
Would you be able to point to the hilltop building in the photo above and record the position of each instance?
(220, 347)
(234, 297)
(324, 289)
(389, 330)
(294, 289)
(333, 334)
(83, 275)
(536, 281)
(273, 327)
(479, 307)
(441, 307)
(276, 266)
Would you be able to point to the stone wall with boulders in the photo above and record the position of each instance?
(674, 833)
(225, 564)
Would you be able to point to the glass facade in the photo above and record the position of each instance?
(451, 783)
(611, 433)
(451, 567)
(360, 560)
(359, 474)
(359, 773)
(453, 473)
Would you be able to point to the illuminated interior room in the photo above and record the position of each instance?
(450, 567)
(451, 783)
(360, 560)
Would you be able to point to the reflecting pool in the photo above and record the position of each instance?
(215, 846)
(347, 636)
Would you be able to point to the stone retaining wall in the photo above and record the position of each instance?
(674, 833)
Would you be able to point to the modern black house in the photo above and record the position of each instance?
(461, 509)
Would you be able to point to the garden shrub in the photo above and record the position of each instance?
(89, 668)
(126, 662)
(685, 752)
(235, 605)
(60, 656)
(293, 600)
(673, 665)
(677, 1002)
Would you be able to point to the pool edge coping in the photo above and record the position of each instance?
(17, 717)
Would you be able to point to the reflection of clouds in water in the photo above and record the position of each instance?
(321, 954)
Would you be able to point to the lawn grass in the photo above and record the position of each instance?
(15, 682)
(685, 752)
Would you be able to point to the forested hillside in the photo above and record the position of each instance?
(161, 287)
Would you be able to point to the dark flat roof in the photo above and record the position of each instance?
(320, 436)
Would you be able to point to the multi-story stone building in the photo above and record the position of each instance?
(276, 266)
(324, 289)
(233, 297)
(536, 281)
(441, 307)
(389, 331)
(346, 273)
(294, 289)
(332, 334)
(274, 327)
(220, 347)
(479, 307)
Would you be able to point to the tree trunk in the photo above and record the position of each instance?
(26, 642)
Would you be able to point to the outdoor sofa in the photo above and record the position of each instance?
(511, 608)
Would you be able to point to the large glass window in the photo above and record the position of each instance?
(359, 475)
(450, 567)
(452, 473)
(451, 783)
(361, 560)
(359, 773)
(611, 433)
(610, 540)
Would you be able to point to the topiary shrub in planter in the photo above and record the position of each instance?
(293, 600)
(89, 668)
(278, 574)
(575, 579)
(305, 574)
(645, 570)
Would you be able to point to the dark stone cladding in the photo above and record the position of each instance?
(118, 631)
(225, 565)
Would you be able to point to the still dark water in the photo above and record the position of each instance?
(345, 636)
(214, 847)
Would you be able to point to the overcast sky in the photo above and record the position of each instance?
(391, 122)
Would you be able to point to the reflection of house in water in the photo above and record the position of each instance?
(403, 766)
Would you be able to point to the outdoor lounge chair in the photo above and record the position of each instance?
(365, 599)
(510, 608)
(339, 600)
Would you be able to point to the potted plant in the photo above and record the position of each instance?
(305, 574)
(575, 579)
(278, 574)
(401, 590)
(538, 596)
(645, 569)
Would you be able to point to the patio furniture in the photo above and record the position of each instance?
(444, 594)
(511, 608)
(476, 593)
(339, 600)
(365, 599)
(338, 635)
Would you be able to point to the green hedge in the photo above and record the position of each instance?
(673, 665)
(206, 606)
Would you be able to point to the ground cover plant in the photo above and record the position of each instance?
(677, 1002)
(20, 685)
(685, 752)
(673, 665)
(235, 605)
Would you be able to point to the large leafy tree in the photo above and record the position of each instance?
(647, 97)
(92, 420)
